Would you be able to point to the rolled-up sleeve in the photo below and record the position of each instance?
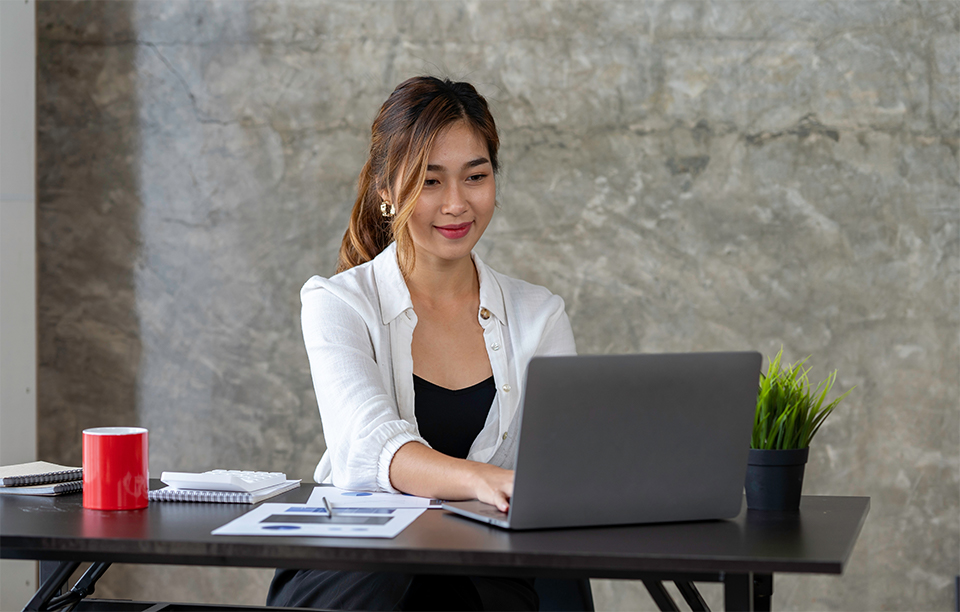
(361, 422)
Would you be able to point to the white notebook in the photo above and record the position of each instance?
(171, 494)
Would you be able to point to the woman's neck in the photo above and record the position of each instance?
(440, 281)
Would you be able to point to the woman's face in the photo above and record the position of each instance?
(458, 197)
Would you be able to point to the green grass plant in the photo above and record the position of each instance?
(789, 413)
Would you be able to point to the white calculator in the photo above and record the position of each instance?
(223, 480)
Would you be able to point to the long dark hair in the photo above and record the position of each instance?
(401, 138)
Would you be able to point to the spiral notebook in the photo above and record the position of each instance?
(49, 489)
(37, 472)
(171, 494)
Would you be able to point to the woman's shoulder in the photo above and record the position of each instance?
(355, 288)
(526, 297)
(517, 286)
(357, 277)
(536, 315)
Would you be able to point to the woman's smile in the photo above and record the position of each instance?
(454, 232)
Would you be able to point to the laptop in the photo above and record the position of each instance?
(624, 439)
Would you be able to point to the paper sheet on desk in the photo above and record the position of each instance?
(365, 499)
(307, 520)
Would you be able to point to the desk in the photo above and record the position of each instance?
(742, 553)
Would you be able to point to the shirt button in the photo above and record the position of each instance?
(506, 388)
(484, 314)
(504, 435)
(495, 346)
(409, 314)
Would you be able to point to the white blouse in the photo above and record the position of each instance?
(358, 328)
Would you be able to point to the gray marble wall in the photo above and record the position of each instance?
(687, 175)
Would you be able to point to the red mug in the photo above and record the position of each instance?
(115, 464)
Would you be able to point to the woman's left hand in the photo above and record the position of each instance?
(492, 485)
(419, 470)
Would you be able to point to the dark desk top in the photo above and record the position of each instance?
(817, 539)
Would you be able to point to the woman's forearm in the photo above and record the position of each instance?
(422, 471)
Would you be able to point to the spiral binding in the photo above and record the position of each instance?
(67, 487)
(45, 478)
(191, 495)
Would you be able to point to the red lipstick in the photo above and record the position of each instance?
(454, 232)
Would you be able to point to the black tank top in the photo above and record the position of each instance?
(451, 420)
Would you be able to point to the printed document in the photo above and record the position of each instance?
(366, 499)
(313, 520)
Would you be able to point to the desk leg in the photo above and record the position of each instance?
(692, 595)
(51, 584)
(48, 597)
(738, 592)
(47, 568)
(660, 596)
(747, 592)
(762, 592)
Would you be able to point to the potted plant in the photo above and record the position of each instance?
(789, 413)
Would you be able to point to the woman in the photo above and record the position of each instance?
(417, 349)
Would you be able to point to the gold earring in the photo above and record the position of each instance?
(385, 211)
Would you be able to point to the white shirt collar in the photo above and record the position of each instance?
(395, 297)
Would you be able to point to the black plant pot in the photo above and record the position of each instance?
(775, 478)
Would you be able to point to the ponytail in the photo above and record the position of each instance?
(369, 231)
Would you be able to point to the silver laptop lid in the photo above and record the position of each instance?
(619, 439)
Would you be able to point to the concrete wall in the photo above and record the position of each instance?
(18, 264)
(687, 175)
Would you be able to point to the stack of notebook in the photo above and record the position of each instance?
(40, 478)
